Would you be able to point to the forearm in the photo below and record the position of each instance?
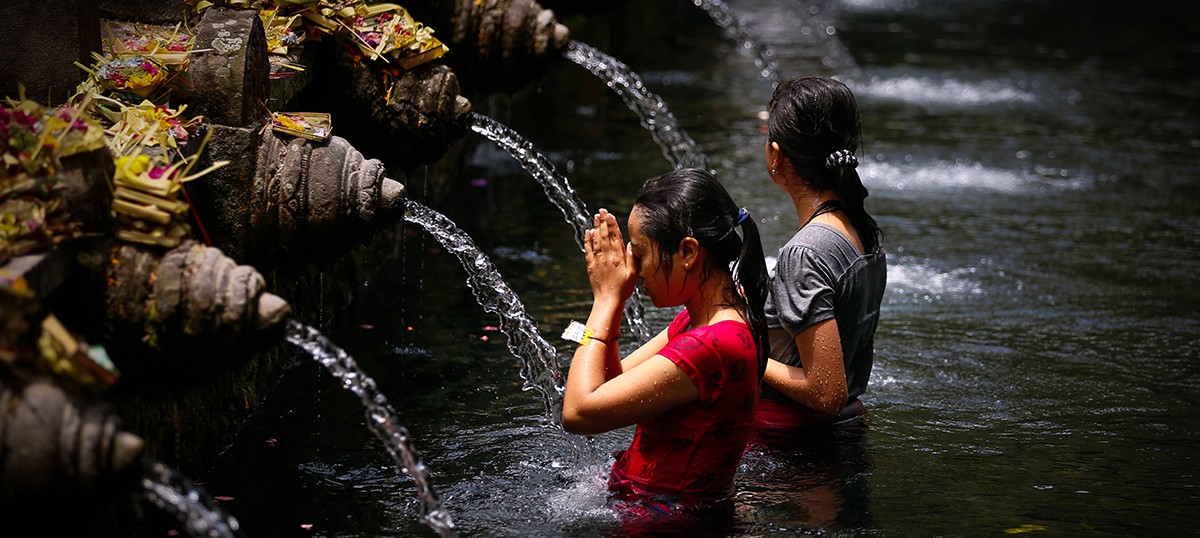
(811, 391)
(600, 359)
(605, 318)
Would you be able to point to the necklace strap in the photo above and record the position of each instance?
(828, 206)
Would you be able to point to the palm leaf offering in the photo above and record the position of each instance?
(309, 125)
(379, 31)
(33, 142)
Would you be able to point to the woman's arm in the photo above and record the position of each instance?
(649, 349)
(649, 389)
(820, 383)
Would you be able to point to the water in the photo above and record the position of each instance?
(559, 191)
(677, 146)
(539, 359)
(1038, 360)
(175, 494)
(735, 28)
(381, 419)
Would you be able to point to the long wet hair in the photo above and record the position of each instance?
(692, 203)
(816, 123)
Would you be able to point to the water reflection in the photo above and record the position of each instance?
(807, 482)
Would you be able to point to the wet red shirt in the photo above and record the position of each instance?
(695, 448)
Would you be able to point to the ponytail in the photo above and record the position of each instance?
(750, 281)
(849, 187)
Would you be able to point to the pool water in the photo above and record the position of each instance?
(1033, 167)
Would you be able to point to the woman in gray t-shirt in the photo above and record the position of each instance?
(828, 282)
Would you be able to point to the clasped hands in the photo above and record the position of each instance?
(611, 266)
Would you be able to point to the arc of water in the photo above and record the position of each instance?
(539, 360)
(538, 166)
(381, 419)
(652, 111)
(562, 195)
(735, 28)
(175, 494)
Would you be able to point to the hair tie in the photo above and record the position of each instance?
(742, 215)
(840, 158)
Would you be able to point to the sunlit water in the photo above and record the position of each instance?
(1037, 372)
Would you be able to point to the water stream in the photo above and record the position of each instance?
(174, 493)
(735, 28)
(539, 360)
(556, 186)
(381, 419)
(651, 110)
(563, 196)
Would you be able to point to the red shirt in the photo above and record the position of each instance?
(695, 448)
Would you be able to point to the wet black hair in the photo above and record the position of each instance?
(692, 203)
(816, 123)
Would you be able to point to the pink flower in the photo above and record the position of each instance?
(25, 119)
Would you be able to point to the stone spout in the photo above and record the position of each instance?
(52, 444)
(307, 192)
(282, 195)
(193, 301)
(421, 109)
(496, 44)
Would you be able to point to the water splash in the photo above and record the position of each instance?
(563, 196)
(940, 90)
(174, 493)
(381, 419)
(733, 26)
(539, 360)
(677, 146)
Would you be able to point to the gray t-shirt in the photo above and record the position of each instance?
(820, 275)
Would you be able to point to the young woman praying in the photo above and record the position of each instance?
(692, 389)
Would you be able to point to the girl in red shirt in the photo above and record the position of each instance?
(692, 389)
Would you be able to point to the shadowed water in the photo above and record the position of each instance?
(539, 359)
(381, 419)
(557, 189)
(651, 110)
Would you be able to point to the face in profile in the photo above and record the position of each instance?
(663, 285)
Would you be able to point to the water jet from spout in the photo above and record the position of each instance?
(652, 112)
(563, 196)
(381, 419)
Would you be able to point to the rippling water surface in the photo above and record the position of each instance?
(1033, 165)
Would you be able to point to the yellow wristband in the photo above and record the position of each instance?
(578, 333)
